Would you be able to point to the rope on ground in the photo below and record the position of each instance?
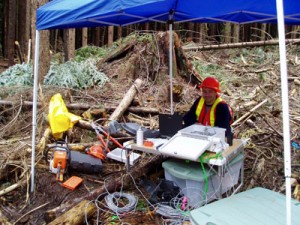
(110, 200)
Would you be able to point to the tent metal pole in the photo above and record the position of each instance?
(171, 65)
(34, 107)
(285, 108)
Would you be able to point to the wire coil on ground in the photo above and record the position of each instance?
(115, 197)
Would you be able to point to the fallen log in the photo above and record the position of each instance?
(13, 187)
(248, 113)
(80, 106)
(239, 45)
(111, 185)
(12, 140)
(42, 144)
(125, 101)
(73, 216)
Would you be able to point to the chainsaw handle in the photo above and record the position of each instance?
(55, 146)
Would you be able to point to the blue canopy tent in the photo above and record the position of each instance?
(61, 14)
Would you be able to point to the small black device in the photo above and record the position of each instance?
(169, 124)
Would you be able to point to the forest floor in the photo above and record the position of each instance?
(248, 78)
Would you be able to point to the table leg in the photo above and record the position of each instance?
(127, 159)
(221, 176)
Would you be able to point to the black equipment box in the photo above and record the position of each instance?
(84, 163)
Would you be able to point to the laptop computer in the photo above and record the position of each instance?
(169, 124)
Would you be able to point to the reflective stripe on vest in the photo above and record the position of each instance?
(211, 111)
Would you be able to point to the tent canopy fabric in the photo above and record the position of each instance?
(61, 14)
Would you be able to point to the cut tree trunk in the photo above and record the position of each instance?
(80, 106)
(69, 44)
(242, 118)
(11, 31)
(86, 208)
(125, 101)
(84, 36)
(240, 45)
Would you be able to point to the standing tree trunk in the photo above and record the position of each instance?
(44, 57)
(227, 33)
(203, 32)
(263, 32)
(191, 33)
(84, 37)
(294, 31)
(11, 32)
(119, 32)
(128, 29)
(97, 36)
(236, 33)
(254, 32)
(110, 37)
(69, 44)
(213, 30)
(24, 25)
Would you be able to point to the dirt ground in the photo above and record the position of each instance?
(248, 78)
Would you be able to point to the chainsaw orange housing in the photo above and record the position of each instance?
(96, 151)
(60, 156)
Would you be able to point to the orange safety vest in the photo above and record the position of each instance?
(209, 117)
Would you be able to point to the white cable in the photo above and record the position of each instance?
(110, 200)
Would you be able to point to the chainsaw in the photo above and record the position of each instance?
(62, 160)
(59, 160)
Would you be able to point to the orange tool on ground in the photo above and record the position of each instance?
(72, 182)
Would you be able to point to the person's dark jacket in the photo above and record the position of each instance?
(223, 116)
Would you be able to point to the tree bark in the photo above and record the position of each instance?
(240, 45)
(110, 37)
(84, 36)
(236, 33)
(119, 35)
(97, 36)
(76, 215)
(248, 113)
(227, 33)
(11, 32)
(24, 25)
(81, 106)
(69, 44)
(203, 32)
(263, 32)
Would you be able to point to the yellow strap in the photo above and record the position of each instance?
(199, 108)
(212, 110)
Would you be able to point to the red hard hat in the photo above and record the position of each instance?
(211, 82)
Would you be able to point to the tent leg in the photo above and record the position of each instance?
(285, 108)
(34, 107)
(171, 65)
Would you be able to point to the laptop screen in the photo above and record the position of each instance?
(169, 124)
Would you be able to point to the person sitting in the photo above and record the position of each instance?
(209, 109)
